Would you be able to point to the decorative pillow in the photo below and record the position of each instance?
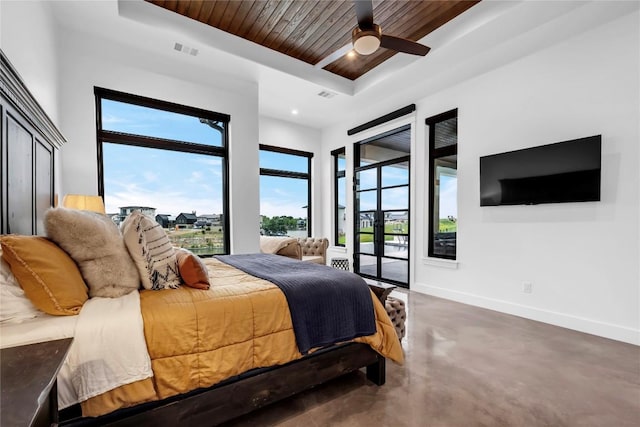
(192, 270)
(151, 251)
(14, 304)
(49, 278)
(95, 244)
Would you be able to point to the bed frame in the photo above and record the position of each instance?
(245, 393)
(249, 391)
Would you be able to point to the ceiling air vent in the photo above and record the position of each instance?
(327, 94)
(185, 49)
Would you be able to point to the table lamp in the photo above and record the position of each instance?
(84, 202)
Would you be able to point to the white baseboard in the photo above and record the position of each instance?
(606, 330)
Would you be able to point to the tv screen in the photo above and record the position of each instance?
(566, 171)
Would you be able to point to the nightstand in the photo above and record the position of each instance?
(28, 383)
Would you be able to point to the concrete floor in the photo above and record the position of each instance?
(467, 366)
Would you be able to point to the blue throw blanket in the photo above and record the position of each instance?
(327, 305)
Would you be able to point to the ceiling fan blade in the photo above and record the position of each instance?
(364, 13)
(403, 45)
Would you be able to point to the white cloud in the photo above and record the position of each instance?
(150, 176)
(167, 200)
(275, 207)
(111, 119)
(448, 197)
(196, 176)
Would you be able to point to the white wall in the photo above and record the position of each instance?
(299, 137)
(28, 39)
(582, 258)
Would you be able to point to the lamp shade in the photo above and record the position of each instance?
(84, 202)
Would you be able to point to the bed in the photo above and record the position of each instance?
(234, 339)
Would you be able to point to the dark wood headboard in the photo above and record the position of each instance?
(29, 141)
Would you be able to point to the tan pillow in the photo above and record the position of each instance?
(49, 277)
(192, 270)
(95, 244)
(151, 251)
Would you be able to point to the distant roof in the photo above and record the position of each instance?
(136, 207)
(188, 215)
(209, 216)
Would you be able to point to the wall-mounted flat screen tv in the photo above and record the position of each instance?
(566, 171)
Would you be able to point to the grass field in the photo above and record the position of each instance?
(207, 242)
(446, 225)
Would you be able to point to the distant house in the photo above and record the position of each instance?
(186, 219)
(166, 221)
(126, 210)
(398, 217)
(115, 217)
(208, 220)
(366, 220)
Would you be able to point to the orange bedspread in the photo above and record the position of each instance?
(198, 338)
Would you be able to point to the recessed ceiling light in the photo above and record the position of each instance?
(351, 54)
(294, 112)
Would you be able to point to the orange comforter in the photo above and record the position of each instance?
(198, 338)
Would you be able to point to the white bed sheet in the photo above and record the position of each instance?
(96, 362)
(39, 329)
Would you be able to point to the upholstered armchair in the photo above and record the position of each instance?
(285, 246)
(314, 249)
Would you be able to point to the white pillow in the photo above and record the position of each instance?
(151, 251)
(14, 304)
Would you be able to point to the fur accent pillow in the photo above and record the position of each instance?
(96, 245)
(192, 270)
(151, 251)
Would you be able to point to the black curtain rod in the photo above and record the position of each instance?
(383, 119)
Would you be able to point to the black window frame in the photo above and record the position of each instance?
(337, 175)
(107, 136)
(434, 154)
(290, 174)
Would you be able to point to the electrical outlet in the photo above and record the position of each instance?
(527, 287)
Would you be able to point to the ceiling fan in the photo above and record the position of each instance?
(367, 37)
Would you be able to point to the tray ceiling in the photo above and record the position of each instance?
(311, 31)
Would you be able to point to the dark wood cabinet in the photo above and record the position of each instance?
(28, 144)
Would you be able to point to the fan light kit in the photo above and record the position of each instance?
(365, 42)
(367, 37)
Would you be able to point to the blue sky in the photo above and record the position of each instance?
(175, 182)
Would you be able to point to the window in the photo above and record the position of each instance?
(443, 184)
(170, 162)
(285, 192)
(339, 196)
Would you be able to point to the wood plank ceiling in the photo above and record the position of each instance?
(312, 30)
